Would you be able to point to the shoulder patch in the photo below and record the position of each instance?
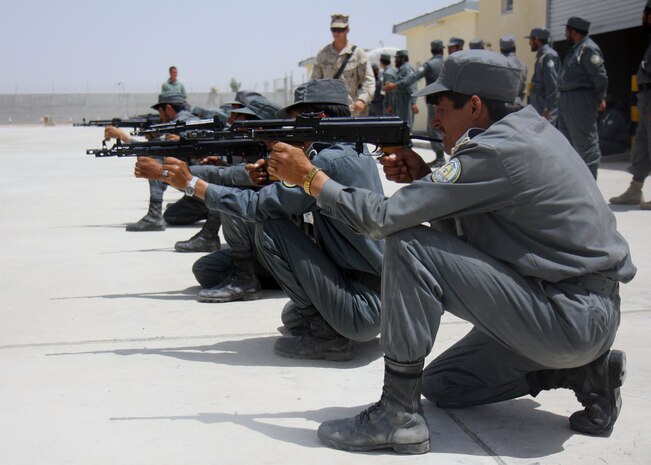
(550, 63)
(448, 173)
(595, 59)
(286, 184)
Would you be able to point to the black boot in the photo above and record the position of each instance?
(395, 422)
(152, 221)
(296, 320)
(240, 284)
(596, 386)
(319, 341)
(206, 240)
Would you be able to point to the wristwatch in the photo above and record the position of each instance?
(189, 189)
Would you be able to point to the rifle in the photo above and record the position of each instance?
(139, 122)
(380, 131)
(247, 138)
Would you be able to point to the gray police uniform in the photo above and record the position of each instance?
(338, 273)
(544, 82)
(402, 98)
(641, 152)
(389, 75)
(582, 84)
(157, 188)
(210, 270)
(522, 88)
(537, 234)
(430, 71)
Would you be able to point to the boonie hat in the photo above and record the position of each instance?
(260, 107)
(477, 72)
(540, 33)
(326, 91)
(169, 98)
(580, 24)
(242, 97)
(338, 20)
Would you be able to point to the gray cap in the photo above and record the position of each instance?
(260, 107)
(507, 42)
(540, 33)
(402, 53)
(387, 57)
(169, 98)
(324, 91)
(438, 44)
(476, 44)
(477, 72)
(243, 97)
(580, 24)
(456, 41)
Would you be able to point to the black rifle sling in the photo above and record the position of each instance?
(344, 63)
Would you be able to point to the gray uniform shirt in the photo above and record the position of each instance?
(348, 249)
(584, 68)
(644, 71)
(544, 82)
(519, 193)
(522, 88)
(175, 86)
(430, 70)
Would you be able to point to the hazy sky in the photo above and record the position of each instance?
(115, 45)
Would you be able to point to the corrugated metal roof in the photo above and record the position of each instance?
(472, 5)
(604, 15)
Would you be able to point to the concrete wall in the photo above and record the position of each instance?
(69, 108)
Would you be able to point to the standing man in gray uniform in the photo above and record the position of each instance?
(404, 105)
(641, 152)
(507, 47)
(173, 85)
(430, 71)
(544, 82)
(171, 107)
(345, 61)
(389, 74)
(332, 279)
(539, 282)
(583, 83)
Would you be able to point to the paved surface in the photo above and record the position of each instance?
(106, 357)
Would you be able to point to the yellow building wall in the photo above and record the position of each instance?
(463, 25)
(526, 15)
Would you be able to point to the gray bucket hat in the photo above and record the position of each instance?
(499, 77)
(242, 97)
(169, 98)
(325, 91)
(580, 24)
(260, 107)
(539, 33)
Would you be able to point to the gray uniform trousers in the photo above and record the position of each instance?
(641, 152)
(212, 269)
(311, 279)
(577, 120)
(521, 324)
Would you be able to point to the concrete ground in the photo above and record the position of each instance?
(107, 358)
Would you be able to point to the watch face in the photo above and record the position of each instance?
(189, 190)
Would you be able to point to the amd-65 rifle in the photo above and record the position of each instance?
(248, 138)
(140, 122)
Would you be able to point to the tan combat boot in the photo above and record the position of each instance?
(632, 196)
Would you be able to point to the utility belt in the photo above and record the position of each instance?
(644, 87)
(595, 283)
